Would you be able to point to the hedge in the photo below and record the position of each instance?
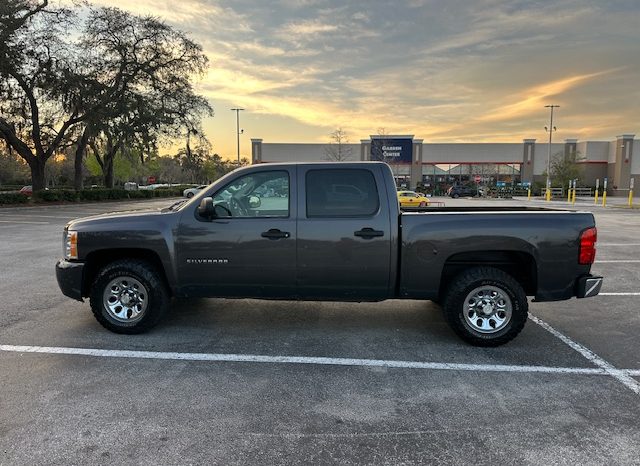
(55, 195)
(99, 194)
(168, 192)
(13, 198)
(103, 194)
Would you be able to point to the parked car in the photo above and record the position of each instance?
(28, 190)
(412, 199)
(154, 186)
(479, 263)
(464, 191)
(190, 192)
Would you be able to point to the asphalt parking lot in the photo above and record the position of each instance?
(243, 381)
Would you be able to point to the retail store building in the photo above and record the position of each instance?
(438, 165)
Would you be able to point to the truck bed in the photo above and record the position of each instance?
(542, 244)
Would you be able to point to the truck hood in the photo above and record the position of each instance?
(130, 217)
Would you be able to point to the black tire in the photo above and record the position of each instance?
(156, 296)
(454, 305)
(455, 195)
(190, 195)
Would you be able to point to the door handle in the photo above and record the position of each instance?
(274, 233)
(368, 233)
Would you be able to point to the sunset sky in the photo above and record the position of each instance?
(445, 71)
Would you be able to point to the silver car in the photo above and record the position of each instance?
(190, 192)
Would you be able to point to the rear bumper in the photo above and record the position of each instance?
(69, 276)
(588, 286)
(585, 286)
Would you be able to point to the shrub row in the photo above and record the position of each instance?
(12, 198)
(69, 195)
(103, 194)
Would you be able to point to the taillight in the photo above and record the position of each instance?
(588, 240)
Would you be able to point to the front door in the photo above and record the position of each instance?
(249, 248)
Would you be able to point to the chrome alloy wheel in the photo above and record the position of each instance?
(487, 309)
(125, 299)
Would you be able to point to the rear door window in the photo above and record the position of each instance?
(341, 193)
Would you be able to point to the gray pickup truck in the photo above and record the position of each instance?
(328, 231)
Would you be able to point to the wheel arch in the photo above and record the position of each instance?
(520, 265)
(97, 260)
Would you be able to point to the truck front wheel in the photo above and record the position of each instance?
(128, 296)
(485, 306)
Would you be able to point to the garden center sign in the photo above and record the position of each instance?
(392, 149)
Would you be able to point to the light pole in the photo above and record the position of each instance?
(238, 131)
(551, 129)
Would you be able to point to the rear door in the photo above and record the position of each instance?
(344, 233)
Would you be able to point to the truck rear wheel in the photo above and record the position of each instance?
(128, 296)
(485, 306)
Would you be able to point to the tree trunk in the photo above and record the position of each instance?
(77, 166)
(37, 174)
(107, 171)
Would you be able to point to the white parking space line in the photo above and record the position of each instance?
(31, 216)
(619, 261)
(617, 244)
(24, 222)
(619, 294)
(620, 375)
(254, 358)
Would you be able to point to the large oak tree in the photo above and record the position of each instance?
(34, 62)
(126, 82)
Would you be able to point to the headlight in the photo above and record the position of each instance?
(71, 245)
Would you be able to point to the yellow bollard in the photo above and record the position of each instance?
(574, 195)
(596, 198)
(604, 199)
(548, 195)
(569, 194)
(631, 198)
(529, 194)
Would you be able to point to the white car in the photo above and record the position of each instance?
(154, 186)
(190, 192)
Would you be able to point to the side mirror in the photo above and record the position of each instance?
(206, 208)
(254, 202)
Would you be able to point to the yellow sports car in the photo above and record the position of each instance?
(412, 199)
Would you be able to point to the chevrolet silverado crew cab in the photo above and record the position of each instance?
(328, 231)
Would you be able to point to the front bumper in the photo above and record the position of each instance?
(69, 276)
(588, 286)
